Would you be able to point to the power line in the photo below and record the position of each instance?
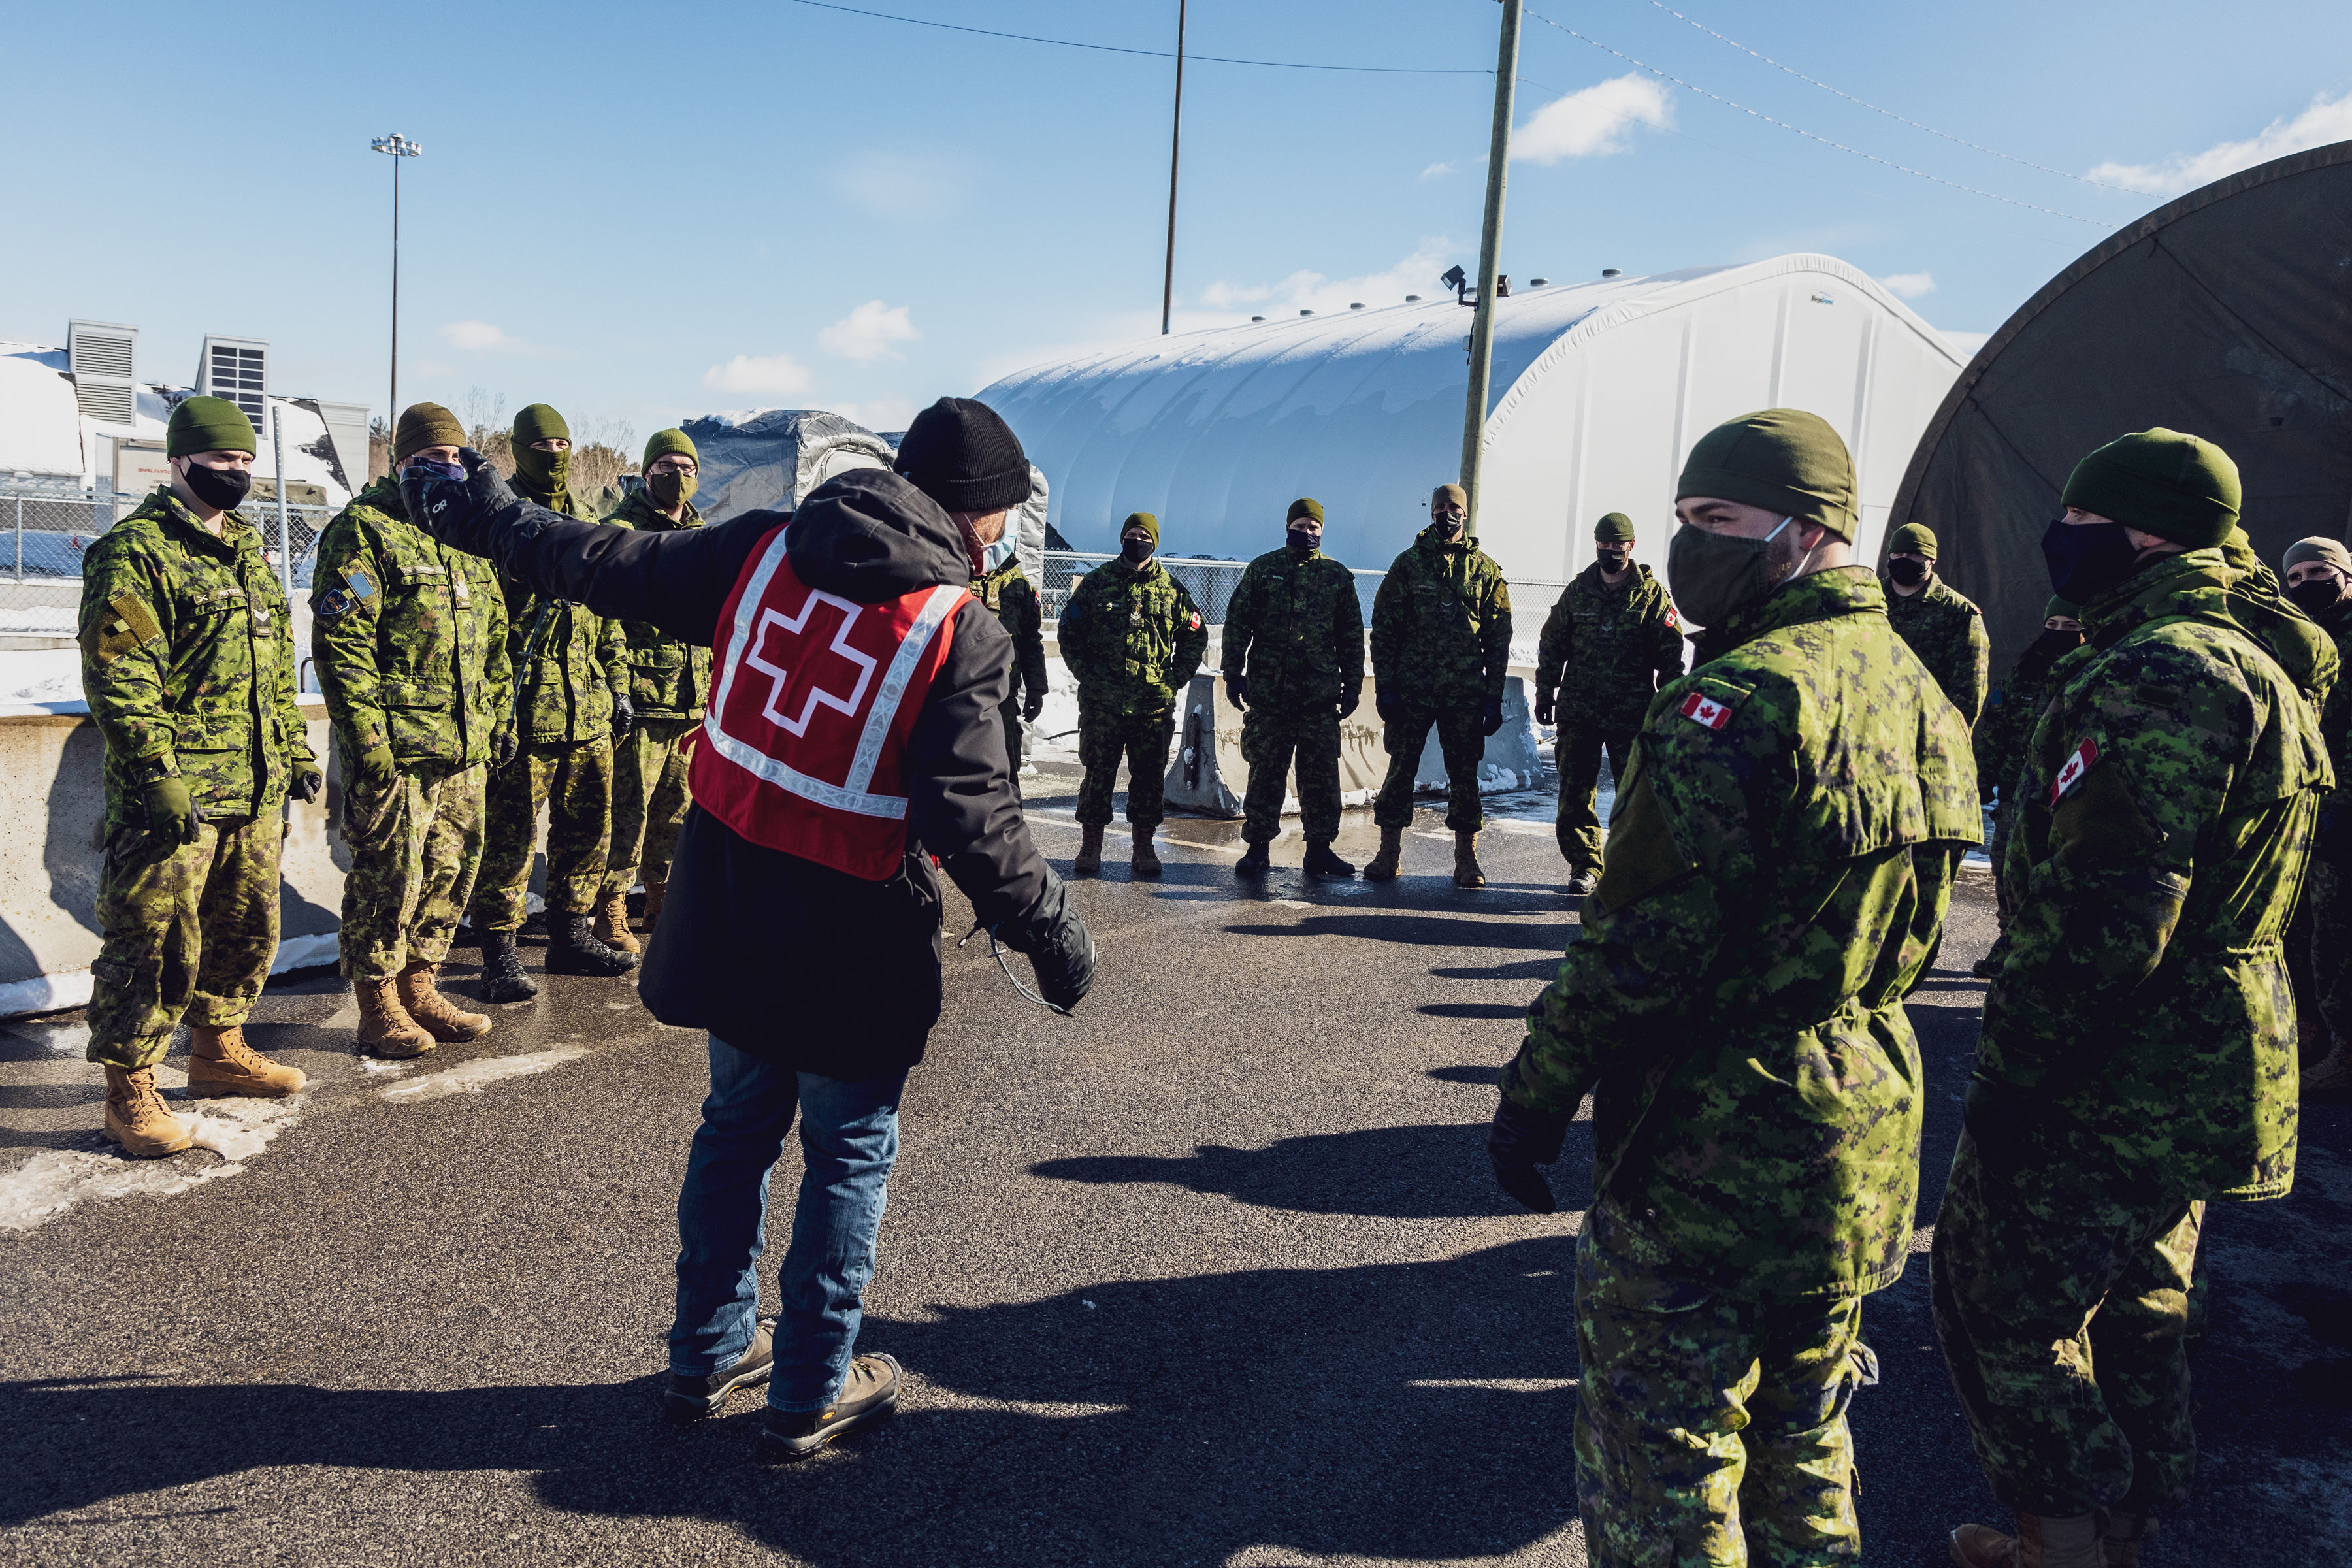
(1149, 54)
(1961, 141)
(1840, 146)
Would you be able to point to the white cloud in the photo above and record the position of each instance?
(867, 334)
(1304, 290)
(1435, 170)
(2327, 120)
(1594, 122)
(1908, 284)
(773, 374)
(481, 337)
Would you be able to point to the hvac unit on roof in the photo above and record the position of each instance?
(237, 369)
(103, 359)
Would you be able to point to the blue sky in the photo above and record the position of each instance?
(642, 213)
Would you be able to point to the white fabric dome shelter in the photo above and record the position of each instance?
(1601, 389)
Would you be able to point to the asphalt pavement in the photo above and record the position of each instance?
(1211, 1273)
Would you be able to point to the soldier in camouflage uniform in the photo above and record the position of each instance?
(2137, 1058)
(2318, 574)
(1002, 588)
(668, 682)
(187, 661)
(1777, 871)
(1441, 645)
(1942, 625)
(572, 696)
(1294, 657)
(2000, 738)
(409, 638)
(1133, 637)
(1610, 641)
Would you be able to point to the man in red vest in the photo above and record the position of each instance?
(852, 740)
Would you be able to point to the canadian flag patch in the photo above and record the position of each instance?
(1196, 622)
(1672, 620)
(1702, 709)
(2070, 777)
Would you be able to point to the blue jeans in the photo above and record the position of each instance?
(849, 1141)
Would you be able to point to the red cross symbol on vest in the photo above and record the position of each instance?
(804, 648)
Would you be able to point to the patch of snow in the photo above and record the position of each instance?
(43, 678)
(469, 1078)
(54, 1180)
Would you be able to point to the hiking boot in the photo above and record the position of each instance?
(870, 1390)
(2070, 1542)
(613, 922)
(573, 948)
(1466, 873)
(1145, 860)
(386, 1028)
(2121, 1535)
(221, 1064)
(1255, 864)
(1321, 862)
(502, 976)
(1582, 884)
(135, 1117)
(433, 1013)
(1383, 867)
(2331, 1074)
(692, 1398)
(1089, 860)
(654, 891)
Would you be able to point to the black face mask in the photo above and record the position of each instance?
(1137, 551)
(1612, 565)
(221, 487)
(1304, 542)
(2317, 597)
(2086, 560)
(1449, 528)
(1907, 572)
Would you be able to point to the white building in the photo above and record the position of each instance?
(1599, 390)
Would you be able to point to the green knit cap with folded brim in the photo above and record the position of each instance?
(2178, 487)
(424, 425)
(1912, 538)
(1785, 460)
(2058, 608)
(1305, 506)
(665, 443)
(207, 425)
(1612, 527)
(1149, 523)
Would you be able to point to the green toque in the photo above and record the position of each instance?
(1782, 459)
(1305, 506)
(2057, 608)
(544, 474)
(1912, 538)
(1612, 528)
(207, 425)
(1149, 524)
(664, 443)
(2320, 548)
(424, 425)
(2177, 487)
(540, 423)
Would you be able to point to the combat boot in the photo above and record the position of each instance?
(1145, 861)
(1256, 863)
(221, 1064)
(654, 891)
(573, 948)
(1383, 867)
(1466, 873)
(1089, 860)
(2331, 1074)
(1322, 862)
(433, 1013)
(2039, 1542)
(386, 1031)
(613, 923)
(1581, 883)
(135, 1117)
(2121, 1535)
(503, 979)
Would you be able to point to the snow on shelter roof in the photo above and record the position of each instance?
(1598, 389)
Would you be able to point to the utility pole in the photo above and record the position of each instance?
(1482, 329)
(1175, 144)
(397, 147)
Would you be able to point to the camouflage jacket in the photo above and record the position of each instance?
(2138, 1043)
(2007, 722)
(667, 678)
(1776, 876)
(1294, 632)
(187, 661)
(1946, 629)
(1008, 593)
(1606, 650)
(1133, 638)
(2336, 716)
(409, 637)
(566, 686)
(1442, 624)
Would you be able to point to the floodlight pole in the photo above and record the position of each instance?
(1482, 329)
(1175, 144)
(397, 147)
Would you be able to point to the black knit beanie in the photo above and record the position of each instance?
(964, 456)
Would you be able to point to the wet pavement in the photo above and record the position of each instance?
(1213, 1273)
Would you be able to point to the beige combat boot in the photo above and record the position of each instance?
(220, 1063)
(1089, 860)
(386, 1028)
(432, 1012)
(1383, 867)
(135, 1117)
(1145, 861)
(1466, 873)
(613, 923)
(654, 891)
(2039, 1542)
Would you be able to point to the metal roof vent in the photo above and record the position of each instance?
(1355, 305)
(1412, 298)
(1306, 312)
(237, 369)
(1537, 282)
(1257, 318)
(1609, 272)
(103, 359)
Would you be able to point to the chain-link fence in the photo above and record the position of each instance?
(44, 532)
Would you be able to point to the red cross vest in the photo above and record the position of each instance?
(804, 742)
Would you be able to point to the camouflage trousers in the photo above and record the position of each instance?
(416, 849)
(573, 779)
(1464, 743)
(1577, 751)
(1141, 739)
(2319, 954)
(649, 801)
(2065, 1342)
(191, 935)
(1271, 739)
(1711, 1429)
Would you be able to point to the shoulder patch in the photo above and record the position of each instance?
(1194, 623)
(1701, 709)
(333, 604)
(137, 618)
(361, 585)
(2070, 777)
(1674, 621)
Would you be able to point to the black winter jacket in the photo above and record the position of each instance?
(789, 960)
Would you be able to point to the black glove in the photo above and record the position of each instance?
(307, 781)
(625, 714)
(1517, 1142)
(458, 512)
(1238, 688)
(1383, 707)
(1061, 951)
(1031, 705)
(2332, 844)
(503, 747)
(1543, 710)
(1490, 716)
